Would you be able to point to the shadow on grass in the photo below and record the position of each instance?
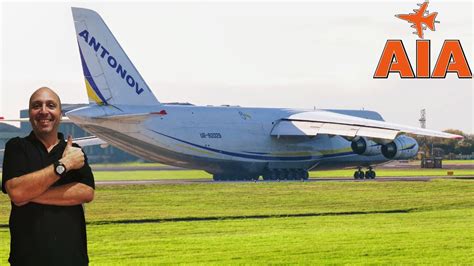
(241, 217)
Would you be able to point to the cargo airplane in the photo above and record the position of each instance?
(231, 143)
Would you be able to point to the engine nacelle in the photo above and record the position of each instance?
(403, 147)
(364, 146)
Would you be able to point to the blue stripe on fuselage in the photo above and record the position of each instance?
(259, 157)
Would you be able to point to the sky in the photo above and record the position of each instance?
(320, 54)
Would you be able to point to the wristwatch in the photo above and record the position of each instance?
(59, 168)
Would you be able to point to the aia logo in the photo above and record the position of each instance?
(394, 57)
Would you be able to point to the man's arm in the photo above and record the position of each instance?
(66, 195)
(24, 188)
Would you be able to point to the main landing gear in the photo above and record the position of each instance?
(285, 174)
(369, 174)
(269, 174)
(235, 177)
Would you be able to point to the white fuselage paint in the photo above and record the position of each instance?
(215, 139)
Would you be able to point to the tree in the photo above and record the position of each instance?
(464, 146)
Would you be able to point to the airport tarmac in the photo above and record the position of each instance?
(389, 165)
(210, 181)
(136, 168)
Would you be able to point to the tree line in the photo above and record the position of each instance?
(453, 146)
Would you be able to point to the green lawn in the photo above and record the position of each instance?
(291, 222)
(433, 237)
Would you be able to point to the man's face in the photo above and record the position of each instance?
(45, 112)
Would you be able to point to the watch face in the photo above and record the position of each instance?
(60, 169)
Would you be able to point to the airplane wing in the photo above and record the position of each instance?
(323, 122)
(422, 8)
(89, 141)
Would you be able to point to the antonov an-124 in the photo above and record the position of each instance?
(231, 143)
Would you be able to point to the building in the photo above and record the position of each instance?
(7, 132)
(95, 154)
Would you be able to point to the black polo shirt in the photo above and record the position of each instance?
(45, 234)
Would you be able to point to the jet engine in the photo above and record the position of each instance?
(364, 146)
(402, 147)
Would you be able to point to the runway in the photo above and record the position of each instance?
(210, 181)
(389, 165)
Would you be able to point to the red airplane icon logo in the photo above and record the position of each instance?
(418, 19)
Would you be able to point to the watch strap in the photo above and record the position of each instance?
(58, 166)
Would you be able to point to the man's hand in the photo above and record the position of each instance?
(73, 157)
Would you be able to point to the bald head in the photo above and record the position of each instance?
(45, 90)
(45, 113)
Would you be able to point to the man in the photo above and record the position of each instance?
(47, 181)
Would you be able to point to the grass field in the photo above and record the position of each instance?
(291, 222)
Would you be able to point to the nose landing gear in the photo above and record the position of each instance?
(369, 174)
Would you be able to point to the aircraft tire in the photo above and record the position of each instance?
(271, 175)
(274, 175)
(359, 174)
(356, 175)
(283, 174)
(290, 174)
(305, 175)
(267, 175)
(301, 174)
(293, 174)
(370, 174)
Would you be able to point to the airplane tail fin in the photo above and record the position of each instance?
(430, 20)
(110, 76)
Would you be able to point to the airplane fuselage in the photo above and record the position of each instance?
(219, 140)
